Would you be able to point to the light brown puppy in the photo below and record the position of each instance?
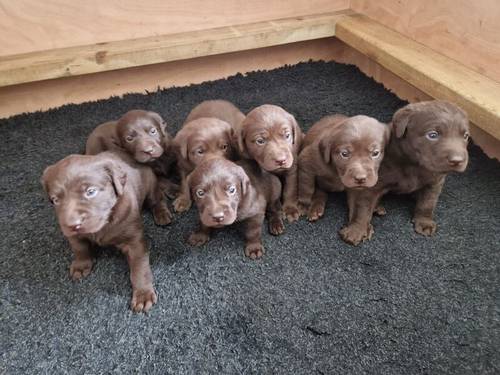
(429, 140)
(272, 137)
(144, 136)
(98, 200)
(226, 192)
(207, 132)
(339, 153)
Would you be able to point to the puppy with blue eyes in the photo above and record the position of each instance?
(207, 132)
(339, 153)
(144, 136)
(429, 140)
(226, 192)
(97, 201)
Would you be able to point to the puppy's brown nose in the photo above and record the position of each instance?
(455, 160)
(218, 217)
(280, 162)
(76, 225)
(360, 179)
(148, 150)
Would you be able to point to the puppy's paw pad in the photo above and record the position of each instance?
(254, 251)
(162, 215)
(80, 268)
(182, 204)
(315, 213)
(198, 239)
(303, 209)
(276, 227)
(143, 299)
(380, 211)
(354, 235)
(291, 213)
(425, 227)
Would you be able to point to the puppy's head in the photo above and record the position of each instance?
(83, 190)
(356, 148)
(434, 134)
(143, 135)
(217, 186)
(270, 136)
(205, 138)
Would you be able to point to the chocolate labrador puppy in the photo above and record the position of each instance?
(429, 140)
(143, 135)
(226, 192)
(339, 153)
(207, 132)
(98, 200)
(272, 137)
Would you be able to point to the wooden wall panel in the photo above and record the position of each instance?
(464, 30)
(35, 25)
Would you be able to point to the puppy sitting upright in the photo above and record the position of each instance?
(429, 141)
(98, 201)
(272, 137)
(141, 134)
(207, 132)
(226, 192)
(339, 153)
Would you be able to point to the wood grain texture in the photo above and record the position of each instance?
(34, 25)
(72, 61)
(429, 71)
(466, 31)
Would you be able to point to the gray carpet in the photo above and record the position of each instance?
(400, 304)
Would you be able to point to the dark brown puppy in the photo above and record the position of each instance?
(339, 153)
(429, 140)
(226, 192)
(272, 137)
(207, 132)
(98, 201)
(144, 136)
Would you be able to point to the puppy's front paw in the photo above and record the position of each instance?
(143, 299)
(424, 226)
(198, 238)
(80, 268)
(291, 213)
(380, 211)
(303, 208)
(182, 204)
(355, 234)
(315, 212)
(162, 215)
(276, 226)
(254, 250)
(170, 189)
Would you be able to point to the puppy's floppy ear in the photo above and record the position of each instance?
(296, 131)
(44, 180)
(160, 121)
(401, 119)
(240, 139)
(387, 132)
(244, 180)
(117, 175)
(325, 148)
(181, 143)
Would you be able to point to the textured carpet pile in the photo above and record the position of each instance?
(399, 304)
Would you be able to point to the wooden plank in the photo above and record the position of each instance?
(102, 57)
(427, 70)
(466, 31)
(34, 25)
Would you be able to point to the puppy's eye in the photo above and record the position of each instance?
(200, 193)
(260, 141)
(345, 154)
(231, 189)
(224, 147)
(288, 135)
(466, 136)
(129, 138)
(153, 131)
(432, 135)
(199, 151)
(375, 154)
(91, 192)
(54, 200)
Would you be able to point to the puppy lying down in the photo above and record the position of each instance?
(226, 192)
(207, 132)
(429, 140)
(144, 136)
(339, 153)
(98, 201)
